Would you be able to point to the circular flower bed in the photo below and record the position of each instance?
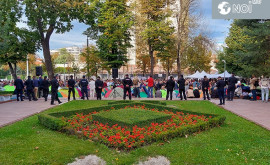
(127, 138)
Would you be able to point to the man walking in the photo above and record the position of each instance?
(19, 88)
(71, 86)
(99, 84)
(45, 87)
(127, 82)
(205, 87)
(170, 84)
(36, 86)
(29, 88)
(54, 90)
(83, 84)
(182, 90)
(220, 86)
(231, 87)
(150, 86)
(265, 85)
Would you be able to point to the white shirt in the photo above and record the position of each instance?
(92, 84)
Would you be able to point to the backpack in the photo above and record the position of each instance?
(196, 93)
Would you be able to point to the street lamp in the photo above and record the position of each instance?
(224, 68)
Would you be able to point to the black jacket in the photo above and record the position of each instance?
(54, 84)
(170, 85)
(232, 81)
(19, 84)
(127, 81)
(221, 84)
(71, 83)
(99, 84)
(205, 83)
(181, 83)
(29, 84)
(83, 83)
(45, 84)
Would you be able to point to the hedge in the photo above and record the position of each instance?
(6, 92)
(132, 101)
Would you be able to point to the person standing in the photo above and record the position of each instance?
(45, 87)
(19, 87)
(265, 85)
(205, 87)
(170, 84)
(36, 86)
(29, 88)
(39, 86)
(71, 88)
(127, 82)
(136, 89)
(182, 90)
(150, 86)
(92, 88)
(253, 86)
(83, 84)
(220, 87)
(54, 90)
(99, 84)
(231, 87)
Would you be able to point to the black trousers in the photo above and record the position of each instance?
(136, 92)
(19, 94)
(73, 93)
(125, 93)
(205, 92)
(98, 91)
(169, 92)
(221, 96)
(230, 93)
(45, 93)
(39, 91)
(30, 94)
(55, 96)
(84, 91)
(182, 91)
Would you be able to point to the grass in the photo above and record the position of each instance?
(130, 117)
(237, 142)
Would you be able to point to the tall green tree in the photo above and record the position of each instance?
(15, 43)
(112, 32)
(49, 16)
(64, 57)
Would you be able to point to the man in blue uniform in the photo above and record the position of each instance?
(83, 84)
(54, 90)
(220, 86)
(127, 82)
(29, 88)
(45, 87)
(71, 85)
(19, 88)
(98, 84)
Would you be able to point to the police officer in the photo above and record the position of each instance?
(29, 88)
(45, 87)
(98, 84)
(182, 91)
(205, 86)
(19, 87)
(231, 87)
(127, 82)
(54, 90)
(83, 84)
(220, 86)
(170, 84)
(71, 85)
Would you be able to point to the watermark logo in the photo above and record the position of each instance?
(241, 9)
(224, 8)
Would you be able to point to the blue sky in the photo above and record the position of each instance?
(217, 29)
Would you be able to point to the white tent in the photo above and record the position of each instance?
(227, 75)
(197, 74)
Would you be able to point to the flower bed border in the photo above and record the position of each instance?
(141, 101)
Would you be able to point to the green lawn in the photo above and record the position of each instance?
(237, 142)
(130, 117)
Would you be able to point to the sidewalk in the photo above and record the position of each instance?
(257, 111)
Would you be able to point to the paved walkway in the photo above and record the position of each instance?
(257, 112)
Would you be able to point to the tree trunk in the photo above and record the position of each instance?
(178, 61)
(47, 57)
(151, 54)
(13, 70)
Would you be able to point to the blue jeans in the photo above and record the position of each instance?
(254, 94)
(150, 92)
(265, 91)
(221, 96)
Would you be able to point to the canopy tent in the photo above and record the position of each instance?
(227, 74)
(195, 75)
(200, 75)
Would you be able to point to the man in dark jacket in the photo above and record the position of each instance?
(45, 87)
(170, 85)
(220, 87)
(29, 88)
(205, 86)
(71, 85)
(19, 88)
(182, 90)
(98, 84)
(40, 88)
(36, 86)
(231, 87)
(54, 90)
(83, 84)
(127, 82)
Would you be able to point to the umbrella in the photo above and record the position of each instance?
(116, 93)
(108, 93)
(143, 95)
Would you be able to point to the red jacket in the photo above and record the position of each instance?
(150, 82)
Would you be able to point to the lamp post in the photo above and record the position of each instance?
(27, 68)
(87, 43)
(224, 68)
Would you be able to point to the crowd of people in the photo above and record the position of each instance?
(230, 88)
